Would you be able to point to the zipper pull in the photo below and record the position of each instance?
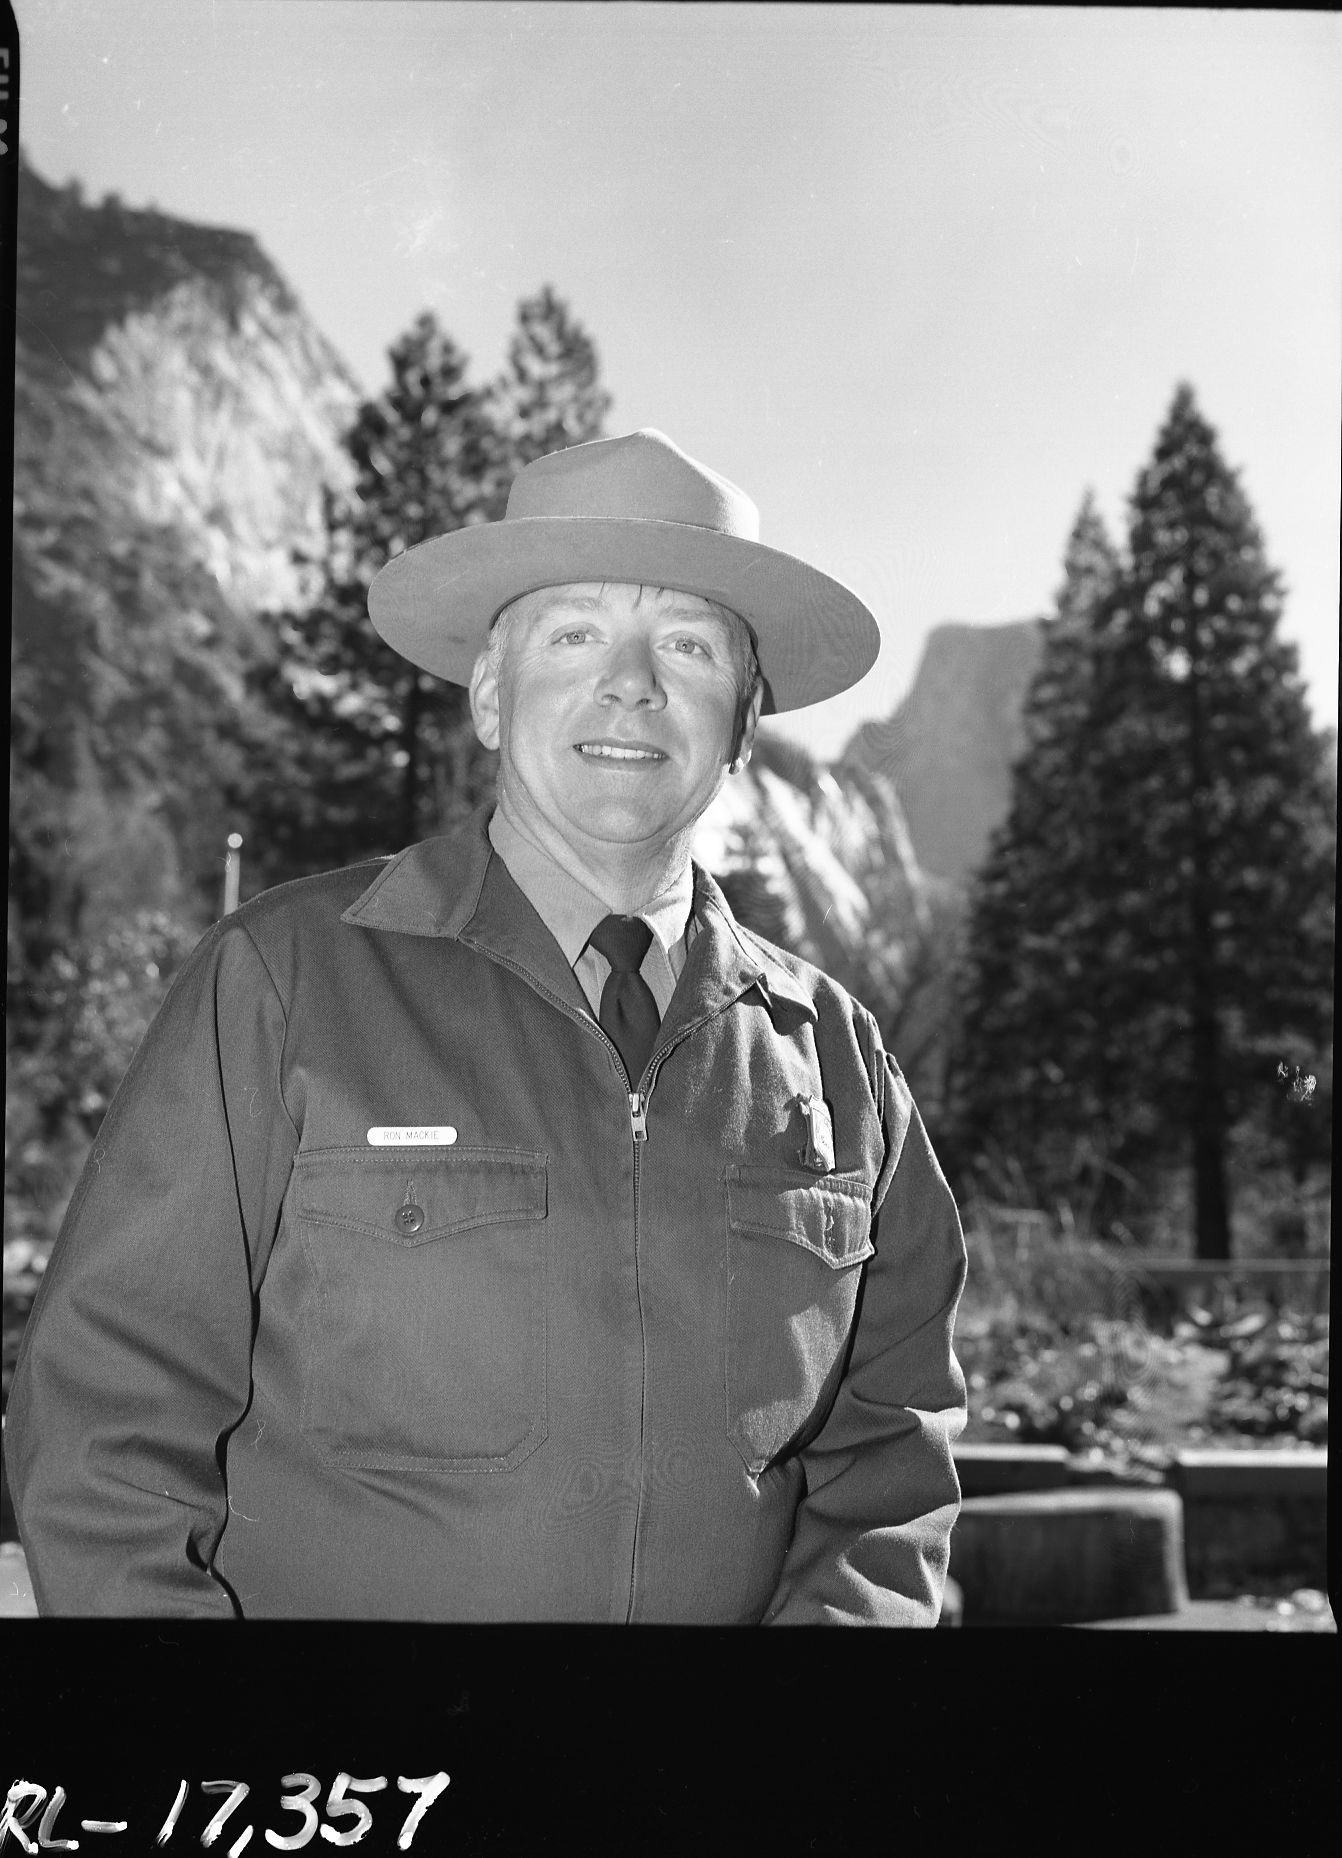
(638, 1116)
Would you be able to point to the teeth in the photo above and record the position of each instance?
(619, 754)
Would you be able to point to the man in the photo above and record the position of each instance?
(501, 1232)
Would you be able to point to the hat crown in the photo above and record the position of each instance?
(641, 477)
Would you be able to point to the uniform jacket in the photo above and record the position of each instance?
(615, 1353)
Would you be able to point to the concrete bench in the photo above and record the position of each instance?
(1201, 1474)
(993, 1470)
(1253, 1517)
(1055, 1557)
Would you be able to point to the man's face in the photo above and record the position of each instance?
(615, 710)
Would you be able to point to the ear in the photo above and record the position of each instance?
(745, 738)
(485, 701)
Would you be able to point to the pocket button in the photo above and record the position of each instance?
(410, 1218)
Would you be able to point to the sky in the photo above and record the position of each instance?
(913, 277)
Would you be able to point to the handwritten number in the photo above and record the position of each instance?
(301, 1802)
(237, 1792)
(428, 1790)
(338, 1807)
(19, 1811)
(166, 1829)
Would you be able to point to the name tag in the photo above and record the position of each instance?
(429, 1135)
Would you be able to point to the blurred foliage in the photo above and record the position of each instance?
(1065, 1341)
(1119, 1392)
(1276, 1383)
(85, 1011)
(88, 1007)
(1151, 936)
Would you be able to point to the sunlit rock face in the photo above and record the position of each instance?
(818, 860)
(950, 745)
(178, 421)
(168, 380)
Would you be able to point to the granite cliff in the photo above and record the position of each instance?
(167, 375)
(950, 744)
(177, 419)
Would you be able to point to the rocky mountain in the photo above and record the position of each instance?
(167, 370)
(812, 841)
(949, 746)
(820, 860)
(177, 419)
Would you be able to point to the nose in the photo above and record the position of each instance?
(629, 676)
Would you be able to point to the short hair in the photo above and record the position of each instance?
(750, 676)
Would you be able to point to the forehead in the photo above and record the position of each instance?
(616, 597)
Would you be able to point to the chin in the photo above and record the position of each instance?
(606, 817)
(619, 829)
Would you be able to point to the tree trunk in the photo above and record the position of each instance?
(1212, 1198)
(1211, 1195)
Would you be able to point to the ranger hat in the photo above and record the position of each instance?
(629, 509)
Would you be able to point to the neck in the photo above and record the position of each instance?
(627, 878)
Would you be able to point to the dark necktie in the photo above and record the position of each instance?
(628, 1010)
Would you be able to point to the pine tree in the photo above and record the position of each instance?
(364, 753)
(549, 396)
(1232, 790)
(1028, 1087)
(357, 730)
(1153, 932)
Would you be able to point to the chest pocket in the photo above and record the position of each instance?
(795, 1250)
(426, 1341)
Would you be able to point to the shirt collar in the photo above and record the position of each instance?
(443, 887)
(569, 910)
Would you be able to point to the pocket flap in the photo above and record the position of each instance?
(830, 1217)
(413, 1197)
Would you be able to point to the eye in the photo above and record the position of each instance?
(689, 646)
(573, 635)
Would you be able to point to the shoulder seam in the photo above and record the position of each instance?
(284, 1015)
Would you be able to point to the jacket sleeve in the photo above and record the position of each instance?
(872, 1535)
(136, 1363)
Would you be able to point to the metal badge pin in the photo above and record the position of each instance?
(818, 1153)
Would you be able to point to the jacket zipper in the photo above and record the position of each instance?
(638, 1118)
(638, 1122)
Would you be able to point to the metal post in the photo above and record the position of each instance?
(232, 872)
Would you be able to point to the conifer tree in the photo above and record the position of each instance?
(1228, 812)
(1026, 1080)
(375, 753)
(356, 724)
(1135, 984)
(549, 395)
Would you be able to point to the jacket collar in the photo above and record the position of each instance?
(458, 886)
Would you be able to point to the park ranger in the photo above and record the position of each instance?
(501, 1231)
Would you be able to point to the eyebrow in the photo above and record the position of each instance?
(592, 603)
(695, 612)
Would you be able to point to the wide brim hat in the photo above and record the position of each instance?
(633, 509)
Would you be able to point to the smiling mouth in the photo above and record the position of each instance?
(625, 753)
